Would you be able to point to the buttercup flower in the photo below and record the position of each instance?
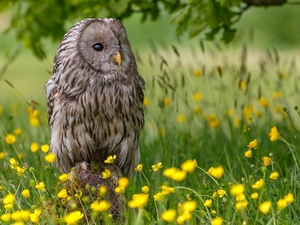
(254, 195)
(174, 174)
(237, 189)
(258, 184)
(221, 193)
(20, 215)
(156, 167)
(6, 217)
(34, 147)
(169, 215)
(274, 134)
(10, 139)
(197, 73)
(265, 207)
(18, 131)
(252, 144)
(266, 160)
(20, 170)
(8, 199)
(63, 194)
(248, 153)
(73, 217)
(145, 189)
(189, 165)
(274, 176)
(216, 172)
(197, 96)
(207, 203)
(106, 174)
(139, 167)
(64, 177)
(281, 204)
(45, 148)
(158, 196)
(26, 193)
(35, 216)
(100, 206)
(217, 221)
(138, 200)
(289, 198)
(264, 102)
(165, 190)
(110, 159)
(146, 102)
(166, 101)
(40, 186)
(50, 158)
(181, 118)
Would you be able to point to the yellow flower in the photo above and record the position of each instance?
(63, 194)
(217, 221)
(73, 217)
(139, 167)
(146, 102)
(240, 205)
(165, 190)
(215, 194)
(158, 196)
(174, 174)
(252, 144)
(208, 203)
(8, 199)
(50, 158)
(274, 176)
(35, 216)
(248, 111)
(13, 163)
(45, 148)
(274, 134)
(119, 189)
(156, 167)
(237, 189)
(100, 206)
(64, 177)
(34, 147)
(8, 206)
(258, 184)
(254, 195)
(265, 207)
(266, 160)
(40, 186)
(26, 193)
(10, 139)
(189, 165)
(181, 118)
(197, 73)
(289, 198)
(282, 75)
(166, 101)
(264, 102)
(102, 190)
(242, 84)
(197, 110)
(106, 174)
(281, 204)
(183, 217)
(34, 121)
(20, 215)
(145, 189)
(216, 172)
(20, 170)
(6, 217)
(123, 182)
(110, 159)
(18, 131)
(197, 96)
(277, 94)
(169, 215)
(2, 155)
(248, 153)
(221, 193)
(138, 200)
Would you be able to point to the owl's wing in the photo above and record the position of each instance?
(51, 90)
(140, 88)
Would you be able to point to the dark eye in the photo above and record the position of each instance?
(98, 47)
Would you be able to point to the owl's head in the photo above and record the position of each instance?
(100, 45)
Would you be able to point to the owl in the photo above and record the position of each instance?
(95, 97)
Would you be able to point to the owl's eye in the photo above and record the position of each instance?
(98, 47)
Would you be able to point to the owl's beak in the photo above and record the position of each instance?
(117, 58)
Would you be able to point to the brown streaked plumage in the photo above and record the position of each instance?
(95, 97)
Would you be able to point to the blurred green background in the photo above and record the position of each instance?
(260, 28)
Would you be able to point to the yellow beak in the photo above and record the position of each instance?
(117, 58)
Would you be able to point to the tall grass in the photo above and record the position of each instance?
(210, 108)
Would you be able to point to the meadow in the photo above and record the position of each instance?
(220, 145)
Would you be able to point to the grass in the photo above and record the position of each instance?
(203, 112)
